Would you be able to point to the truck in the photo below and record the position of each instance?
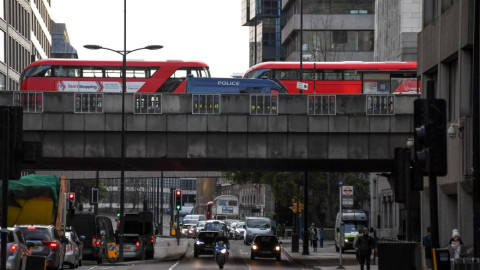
(39, 200)
(197, 85)
(348, 224)
(225, 207)
(142, 224)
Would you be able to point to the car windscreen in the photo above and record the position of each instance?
(215, 226)
(131, 239)
(35, 233)
(207, 236)
(258, 223)
(266, 240)
(353, 227)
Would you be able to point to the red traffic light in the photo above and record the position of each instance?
(178, 192)
(71, 196)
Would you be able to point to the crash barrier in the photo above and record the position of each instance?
(36, 263)
(401, 255)
(465, 264)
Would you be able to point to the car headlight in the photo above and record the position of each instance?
(346, 240)
(199, 242)
(254, 246)
(277, 248)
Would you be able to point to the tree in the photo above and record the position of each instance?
(322, 187)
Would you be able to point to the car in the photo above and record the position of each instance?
(266, 246)
(192, 231)
(204, 243)
(44, 240)
(74, 249)
(216, 225)
(201, 226)
(17, 250)
(256, 226)
(88, 228)
(239, 230)
(133, 247)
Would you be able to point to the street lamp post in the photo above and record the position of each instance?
(124, 53)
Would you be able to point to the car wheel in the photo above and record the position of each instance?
(195, 254)
(279, 258)
(252, 256)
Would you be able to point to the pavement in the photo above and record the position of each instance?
(325, 258)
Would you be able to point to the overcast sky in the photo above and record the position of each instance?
(209, 30)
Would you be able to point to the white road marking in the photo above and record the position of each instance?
(173, 266)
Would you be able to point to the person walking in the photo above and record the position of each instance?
(313, 236)
(321, 236)
(455, 246)
(364, 245)
(427, 243)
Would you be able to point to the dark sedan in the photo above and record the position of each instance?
(266, 246)
(204, 243)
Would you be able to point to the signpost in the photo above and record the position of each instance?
(347, 196)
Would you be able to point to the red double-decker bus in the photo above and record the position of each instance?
(341, 77)
(106, 76)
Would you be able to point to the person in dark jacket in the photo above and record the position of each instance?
(364, 245)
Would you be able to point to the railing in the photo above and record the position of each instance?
(263, 104)
(322, 104)
(147, 104)
(205, 104)
(32, 102)
(465, 264)
(88, 103)
(380, 104)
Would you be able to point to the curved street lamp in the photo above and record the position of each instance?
(122, 158)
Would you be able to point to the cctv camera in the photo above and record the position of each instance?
(451, 132)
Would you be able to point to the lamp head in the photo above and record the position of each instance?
(92, 47)
(153, 47)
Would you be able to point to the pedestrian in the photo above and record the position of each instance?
(313, 236)
(321, 236)
(364, 245)
(455, 246)
(427, 243)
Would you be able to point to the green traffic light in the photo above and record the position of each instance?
(179, 207)
(118, 214)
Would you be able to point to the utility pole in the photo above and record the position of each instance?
(305, 250)
(476, 131)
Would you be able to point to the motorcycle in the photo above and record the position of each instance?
(221, 254)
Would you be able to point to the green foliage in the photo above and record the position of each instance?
(323, 190)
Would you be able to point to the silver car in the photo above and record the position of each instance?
(17, 250)
(74, 249)
(133, 247)
(44, 240)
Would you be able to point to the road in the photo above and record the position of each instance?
(239, 259)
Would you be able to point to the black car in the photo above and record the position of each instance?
(88, 230)
(204, 243)
(266, 246)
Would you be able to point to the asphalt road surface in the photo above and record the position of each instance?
(239, 259)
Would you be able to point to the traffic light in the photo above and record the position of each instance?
(11, 140)
(94, 196)
(401, 174)
(178, 199)
(118, 214)
(71, 197)
(430, 132)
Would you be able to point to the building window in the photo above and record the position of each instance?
(3, 81)
(2, 9)
(2, 45)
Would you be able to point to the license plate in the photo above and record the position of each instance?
(266, 252)
(34, 248)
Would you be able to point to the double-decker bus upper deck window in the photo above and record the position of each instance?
(286, 74)
(152, 71)
(198, 72)
(257, 74)
(113, 72)
(92, 72)
(37, 71)
(308, 75)
(351, 75)
(66, 71)
(136, 73)
(174, 81)
(333, 75)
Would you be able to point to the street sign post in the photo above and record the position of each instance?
(347, 196)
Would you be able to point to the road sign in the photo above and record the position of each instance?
(302, 86)
(347, 202)
(347, 191)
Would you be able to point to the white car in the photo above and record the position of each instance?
(239, 230)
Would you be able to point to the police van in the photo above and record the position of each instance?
(347, 226)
